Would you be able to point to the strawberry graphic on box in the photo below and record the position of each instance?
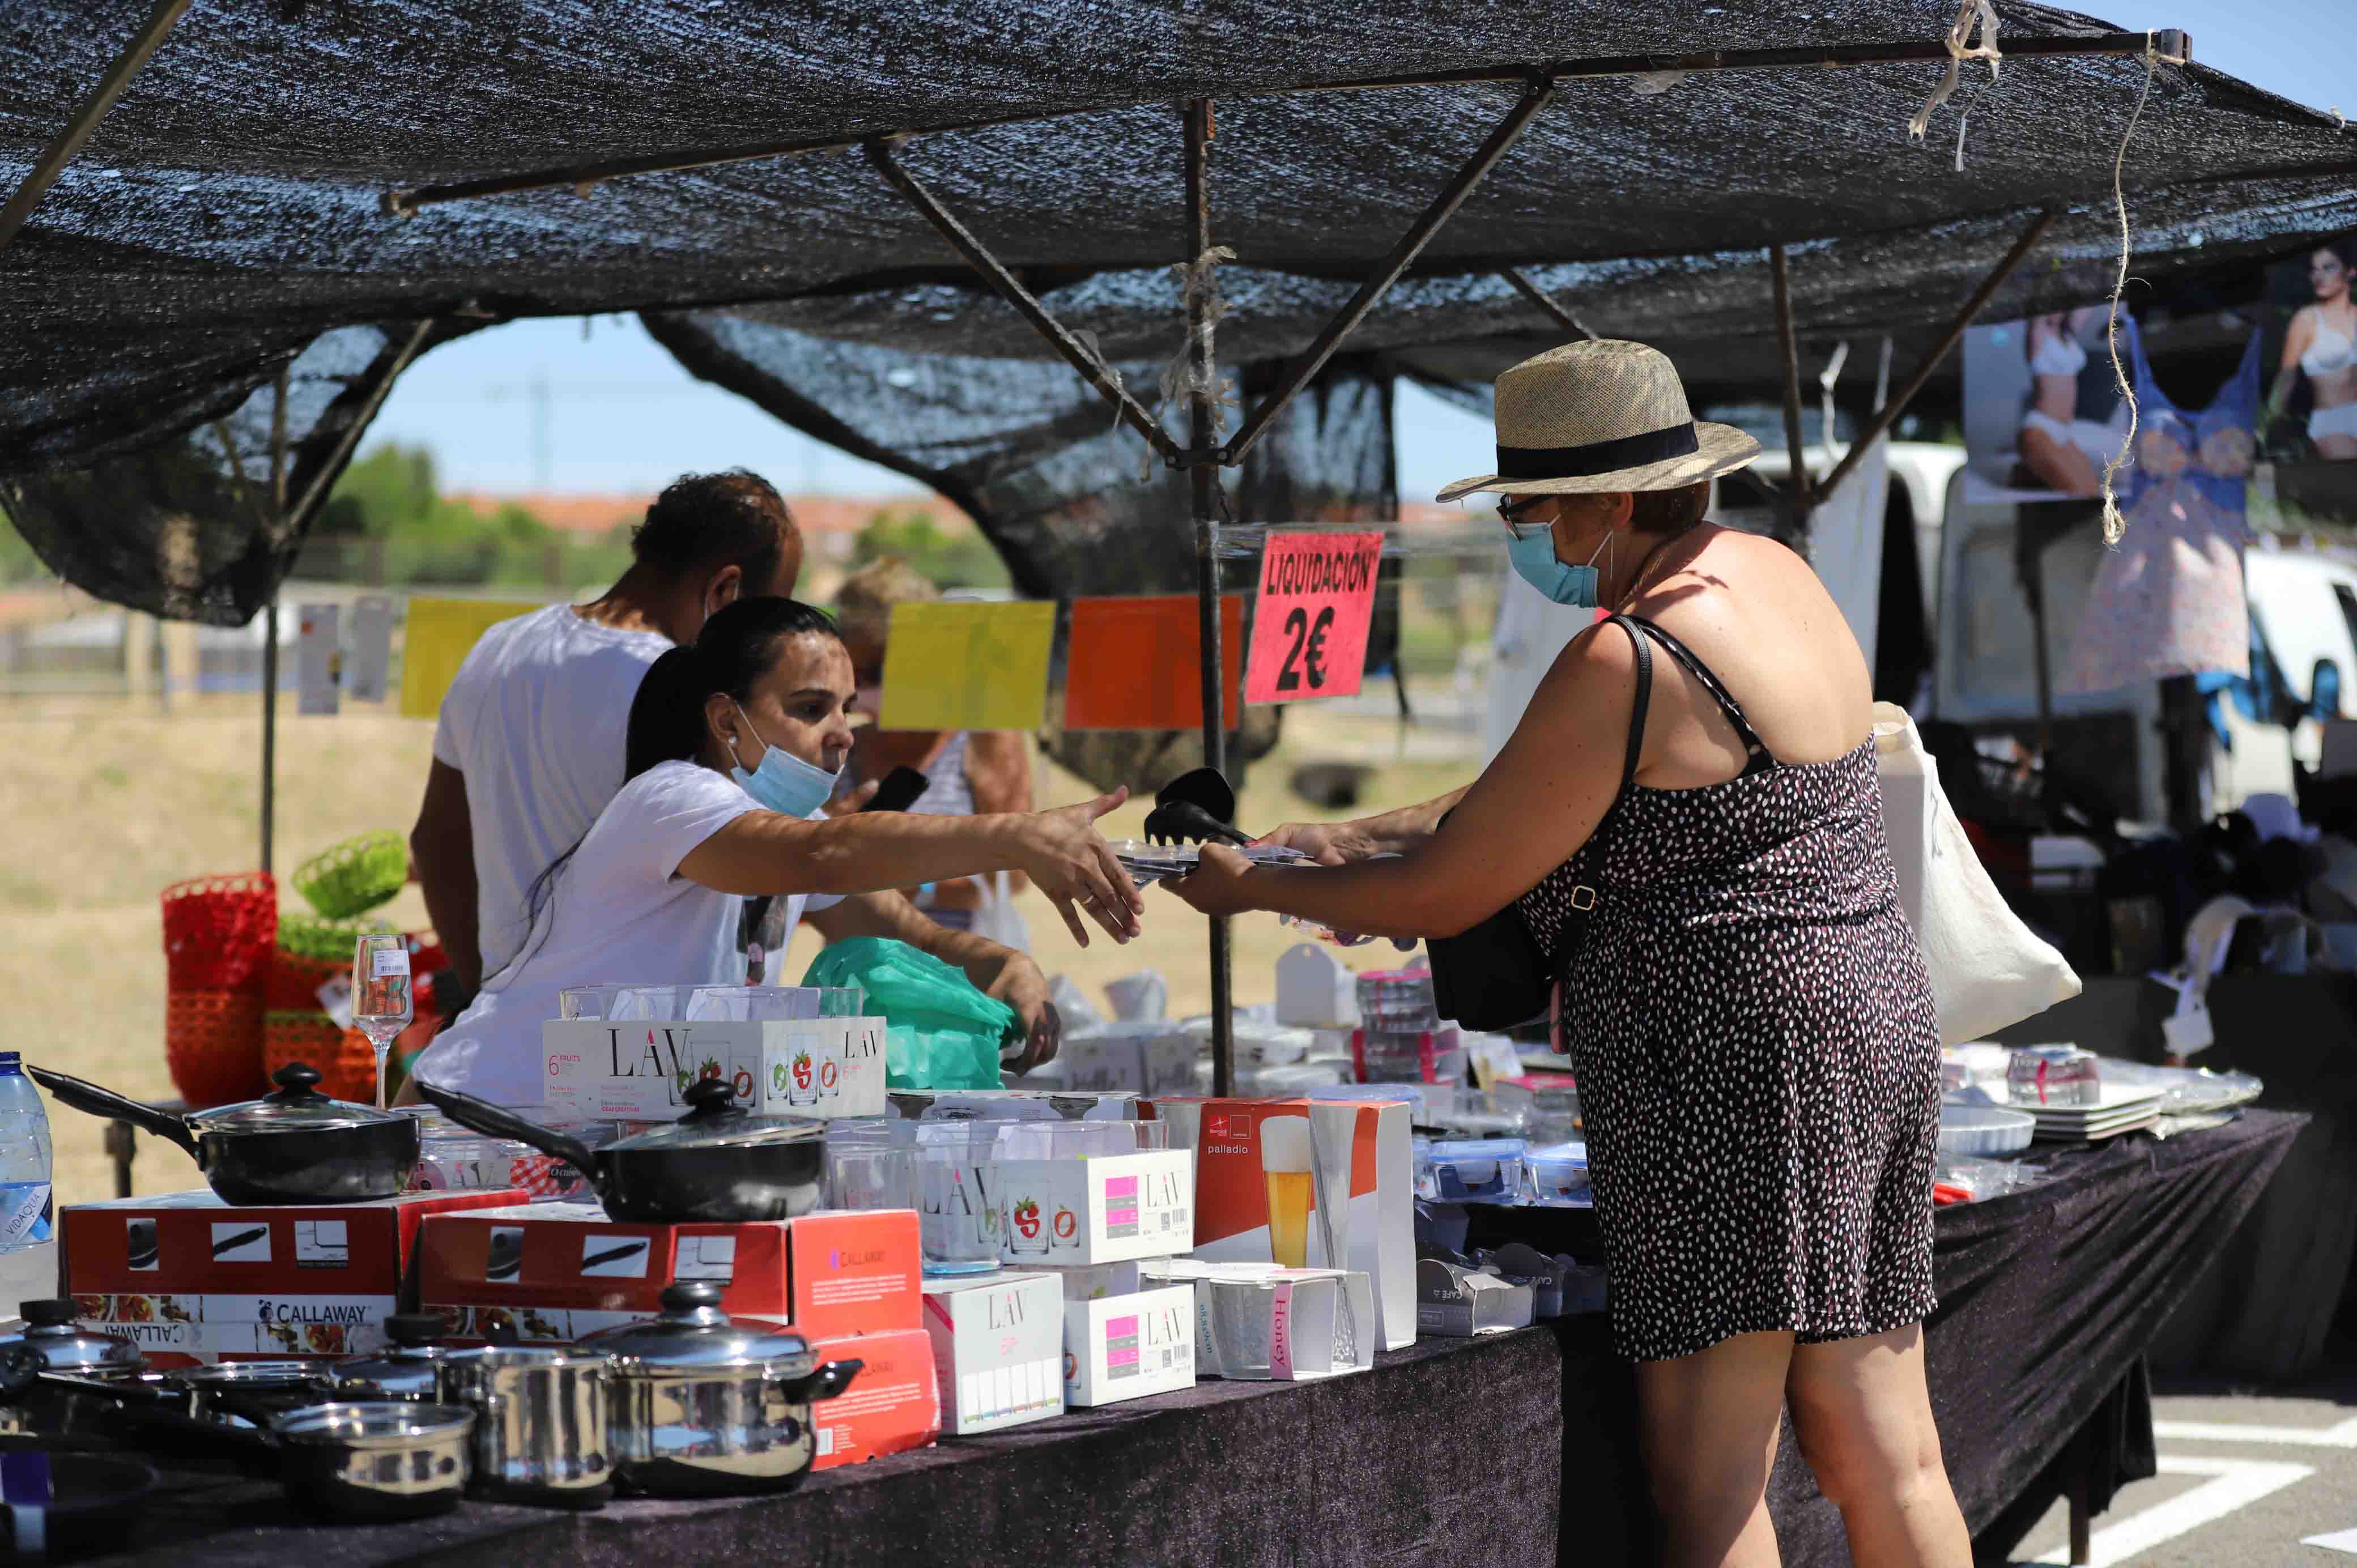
(801, 1069)
(1027, 1217)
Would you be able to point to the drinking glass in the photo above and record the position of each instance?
(380, 1004)
(586, 1001)
(842, 1002)
(957, 1189)
(1286, 1167)
(871, 1176)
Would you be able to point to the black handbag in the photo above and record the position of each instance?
(1494, 976)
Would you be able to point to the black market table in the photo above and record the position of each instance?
(1514, 1449)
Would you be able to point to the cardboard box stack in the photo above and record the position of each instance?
(190, 1279)
(638, 1070)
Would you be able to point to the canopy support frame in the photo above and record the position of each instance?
(93, 107)
(1799, 495)
(403, 201)
(1091, 367)
(1887, 414)
(1538, 91)
(1204, 453)
(1545, 301)
(270, 629)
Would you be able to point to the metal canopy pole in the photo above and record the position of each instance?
(403, 201)
(1203, 443)
(1545, 301)
(1092, 369)
(1802, 500)
(270, 626)
(1887, 414)
(1537, 93)
(293, 521)
(86, 116)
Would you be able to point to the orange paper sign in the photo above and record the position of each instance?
(1137, 663)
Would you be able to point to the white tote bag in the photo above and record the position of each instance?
(997, 919)
(1988, 970)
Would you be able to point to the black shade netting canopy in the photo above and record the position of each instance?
(226, 216)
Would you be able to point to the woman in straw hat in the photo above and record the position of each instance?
(1688, 821)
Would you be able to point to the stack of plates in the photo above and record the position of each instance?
(2124, 1108)
(1148, 864)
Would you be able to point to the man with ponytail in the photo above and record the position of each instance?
(731, 751)
(529, 746)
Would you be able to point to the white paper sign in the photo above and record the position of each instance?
(318, 660)
(336, 1000)
(371, 647)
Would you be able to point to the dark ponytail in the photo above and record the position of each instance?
(738, 645)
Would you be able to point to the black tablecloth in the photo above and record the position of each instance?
(2268, 1303)
(1513, 1449)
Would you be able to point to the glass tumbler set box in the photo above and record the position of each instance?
(640, 1069)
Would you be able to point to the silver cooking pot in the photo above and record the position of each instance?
(248, 1393)
(411, 1370)
(540, 1422)
(380, 1460)
(700, 1406)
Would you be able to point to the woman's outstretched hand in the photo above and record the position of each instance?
(1217, 885)
(1327, 843)
(1062, 852)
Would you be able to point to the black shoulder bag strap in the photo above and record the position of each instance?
(1494, 975)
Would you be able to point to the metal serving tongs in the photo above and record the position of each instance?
(1197, 805)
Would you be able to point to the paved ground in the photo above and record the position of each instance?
(2246, 1478)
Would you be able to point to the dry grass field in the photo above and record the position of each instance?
(109, 800)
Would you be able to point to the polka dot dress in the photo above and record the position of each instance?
(1757, 1055)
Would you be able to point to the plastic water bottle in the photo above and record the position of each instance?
(24, 1160)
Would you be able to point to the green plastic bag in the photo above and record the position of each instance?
(944, 1033)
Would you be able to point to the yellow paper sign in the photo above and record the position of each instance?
(967, 666)
(439, 636)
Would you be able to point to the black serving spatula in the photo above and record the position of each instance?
(1197, 805)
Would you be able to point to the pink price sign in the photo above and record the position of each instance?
(1309, 629)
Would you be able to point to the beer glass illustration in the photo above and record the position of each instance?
(1286, 1164)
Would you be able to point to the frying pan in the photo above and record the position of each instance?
(717, 1165)
(293, 1145)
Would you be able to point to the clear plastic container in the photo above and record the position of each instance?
(1420, 1159)
(1555, 1175)
(1397, 1002)
(1479, 1170)
(1422, 1055)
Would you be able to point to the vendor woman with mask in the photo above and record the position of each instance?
(733, 743)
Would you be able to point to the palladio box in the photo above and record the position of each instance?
(189, 1278)
(599, 1067)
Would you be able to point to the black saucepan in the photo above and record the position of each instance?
(717, 1165)
(293, 1145)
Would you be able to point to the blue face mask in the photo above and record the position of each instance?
(784, 783)
(1535, 562)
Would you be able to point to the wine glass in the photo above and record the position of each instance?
(380, 1004)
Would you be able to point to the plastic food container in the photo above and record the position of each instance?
(1422, 1055)
(1984, 1130)
(1557, 1174)
(1481, 1170)
(1397, 1003)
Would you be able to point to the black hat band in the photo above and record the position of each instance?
(1598, 456)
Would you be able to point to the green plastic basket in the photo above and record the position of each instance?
(356, 876)
(308, 936)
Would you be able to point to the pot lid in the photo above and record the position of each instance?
(295, 1106)
(693, 1334)
(55, 1338)
(713, 1120)
(409, 1365)
(372, 1424)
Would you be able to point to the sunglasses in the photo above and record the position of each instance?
(1515, 511)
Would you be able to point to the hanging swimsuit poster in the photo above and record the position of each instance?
(2308, 424)
(2042, 415)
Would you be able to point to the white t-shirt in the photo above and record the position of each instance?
(619, 913)
(536, 720)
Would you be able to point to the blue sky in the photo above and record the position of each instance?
(622, 415)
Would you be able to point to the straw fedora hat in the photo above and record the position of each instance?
(1607, 415)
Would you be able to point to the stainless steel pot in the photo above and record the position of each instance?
(411, 1370)
(701, 1407)
(55, 1341)
(540, 1422)
(43, 1363)
(389, 1459)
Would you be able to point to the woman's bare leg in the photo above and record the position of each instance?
(2062, 466)
(1863, 1416)
(1709, 1423)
